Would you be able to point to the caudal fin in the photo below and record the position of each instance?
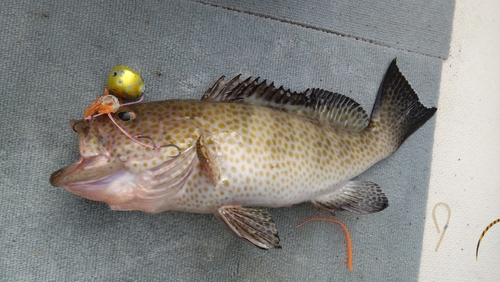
(397, 111)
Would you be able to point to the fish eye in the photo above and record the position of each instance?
(127, 115)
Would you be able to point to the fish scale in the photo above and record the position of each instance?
(253, 158)
(245, 143)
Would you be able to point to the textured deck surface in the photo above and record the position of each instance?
(54, 61)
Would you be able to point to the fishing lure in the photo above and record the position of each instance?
(347, 236)
(105, 104)
(484, 232)
(123, 83)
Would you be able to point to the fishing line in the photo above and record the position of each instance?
(436, 223)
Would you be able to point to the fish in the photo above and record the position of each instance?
(246, 145)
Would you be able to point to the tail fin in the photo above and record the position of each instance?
(397, 108)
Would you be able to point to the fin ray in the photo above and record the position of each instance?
(331, 108)
(356, 196)
(253, 225)
(397, 106)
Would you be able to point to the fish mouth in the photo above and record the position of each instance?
(90, 179)
(96, 175)
(84, 170)
(93, 164)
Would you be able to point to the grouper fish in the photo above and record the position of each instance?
(245, 144)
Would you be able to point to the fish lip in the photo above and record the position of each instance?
(58, 177)
(55, 177)
(84, 170)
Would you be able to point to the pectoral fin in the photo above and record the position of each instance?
(254, 225)
(204, 159)
(355, 196)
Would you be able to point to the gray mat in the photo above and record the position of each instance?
(55, 57)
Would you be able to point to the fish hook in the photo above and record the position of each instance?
(75, 125)
(150, 139)
(175, 146)
(179, 151)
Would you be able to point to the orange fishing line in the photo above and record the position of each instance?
(348, 237)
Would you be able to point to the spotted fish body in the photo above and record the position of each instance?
(244, 144)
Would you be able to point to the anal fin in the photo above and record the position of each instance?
(253, 225)
(355, 196)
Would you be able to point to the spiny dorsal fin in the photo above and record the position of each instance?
(332, 108)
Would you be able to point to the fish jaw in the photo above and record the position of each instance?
(151, 190)
(97, 189)
(94, 179)
(84, 170)
(97, 175)
(95, 162)
(120, 188)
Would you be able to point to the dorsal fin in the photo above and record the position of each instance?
(333, 108)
